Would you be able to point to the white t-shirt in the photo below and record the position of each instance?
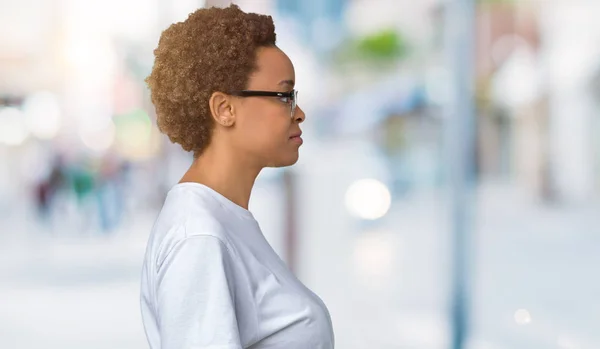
(211, 280)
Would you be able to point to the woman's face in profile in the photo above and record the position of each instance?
(265, 127)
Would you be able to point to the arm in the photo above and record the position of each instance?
(196, 293)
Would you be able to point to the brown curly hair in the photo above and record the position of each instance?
(213, 50)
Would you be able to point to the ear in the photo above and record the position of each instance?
(221, 109)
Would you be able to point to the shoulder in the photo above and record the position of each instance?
(203, 235)
(188, 216)
(194, 210)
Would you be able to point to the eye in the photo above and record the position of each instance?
(285, 99)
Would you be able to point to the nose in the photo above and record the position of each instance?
(299, 115)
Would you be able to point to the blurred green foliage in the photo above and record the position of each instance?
(387, 45)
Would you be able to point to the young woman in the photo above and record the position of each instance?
(223, 90)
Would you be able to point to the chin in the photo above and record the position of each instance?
(285, 162)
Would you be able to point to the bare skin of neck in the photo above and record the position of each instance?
(221, 170)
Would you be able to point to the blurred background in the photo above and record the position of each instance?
(371, 218)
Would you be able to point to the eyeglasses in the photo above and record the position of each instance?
(285, 97)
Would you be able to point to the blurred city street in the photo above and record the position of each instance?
(435, 131)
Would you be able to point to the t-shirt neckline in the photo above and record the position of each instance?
(225, 202)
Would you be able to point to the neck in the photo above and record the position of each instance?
(225, 173)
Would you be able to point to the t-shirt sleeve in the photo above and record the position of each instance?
(195, 295)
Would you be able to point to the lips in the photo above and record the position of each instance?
(296, 138)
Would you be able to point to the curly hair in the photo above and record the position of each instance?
(213, 50)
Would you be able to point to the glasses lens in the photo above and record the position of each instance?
(294, 102)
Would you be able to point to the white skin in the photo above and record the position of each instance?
(250, 133)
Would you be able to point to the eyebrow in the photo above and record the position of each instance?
(287, 82)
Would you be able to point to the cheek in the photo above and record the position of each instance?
(267, 128)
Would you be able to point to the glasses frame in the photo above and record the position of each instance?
(292, 95)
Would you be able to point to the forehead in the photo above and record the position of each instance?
(273, 66)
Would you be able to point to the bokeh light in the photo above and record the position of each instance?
(43, 115)
(98, 139)
(13, 129)
(368, 199)
(522, 317)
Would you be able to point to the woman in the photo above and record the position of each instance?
(222, 89)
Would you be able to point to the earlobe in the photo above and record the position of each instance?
(228, 119)
(226, 122)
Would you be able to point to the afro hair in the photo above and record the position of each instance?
(214, 49)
